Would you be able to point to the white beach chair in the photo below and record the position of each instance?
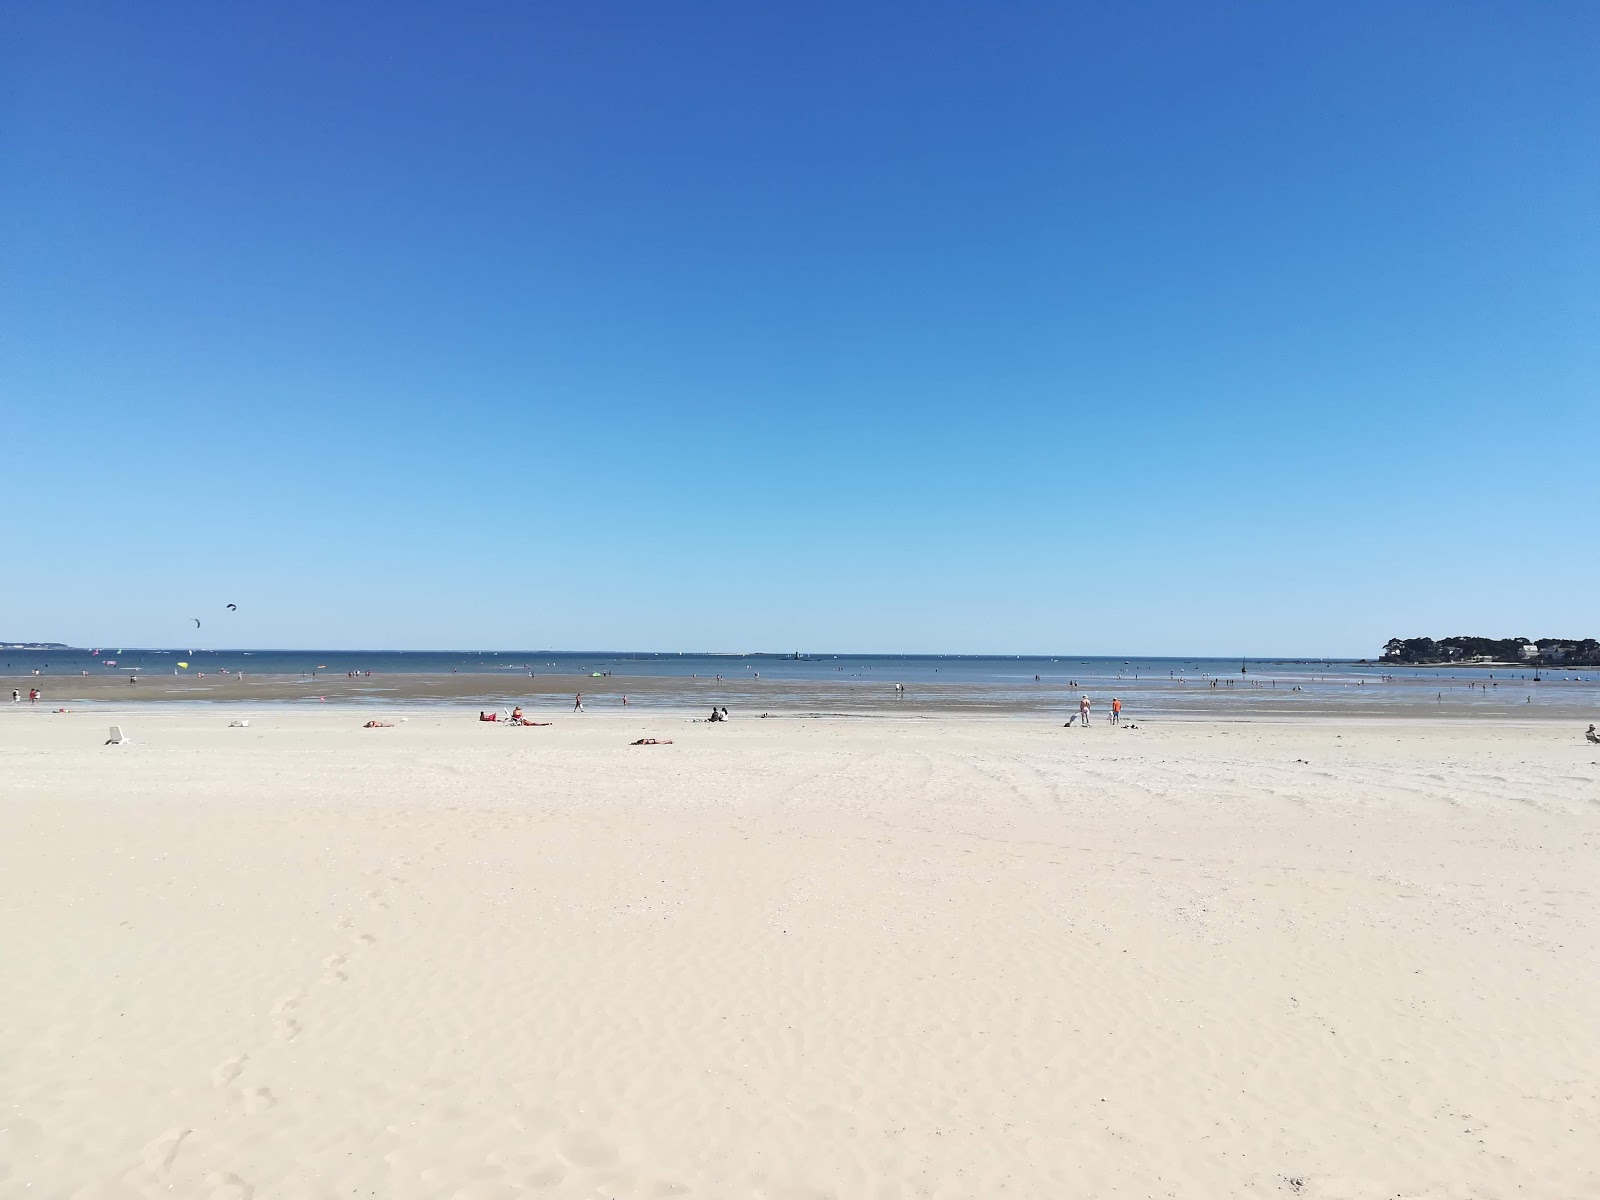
(118, 738)
(242, 723)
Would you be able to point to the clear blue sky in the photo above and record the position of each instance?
(1188, 328)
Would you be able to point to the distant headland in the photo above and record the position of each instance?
(1519, 651)
(34, 646)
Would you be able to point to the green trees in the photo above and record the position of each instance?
(1572, 652)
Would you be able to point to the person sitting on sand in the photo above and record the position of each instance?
(483, 716)
(715, 715)
(1592, 735)
(516, 713)
(651, 742)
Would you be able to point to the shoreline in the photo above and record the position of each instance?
(447, 715)
(1058, 693)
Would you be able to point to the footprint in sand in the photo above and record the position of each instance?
(160, 1154)
(226, 1072)
(588, 1149)
(225, 1185)
(284, 1025)
(544, 1177)
(258, 1100)
(335, 966)
(366, 939)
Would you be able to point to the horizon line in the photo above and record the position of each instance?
(785, 654)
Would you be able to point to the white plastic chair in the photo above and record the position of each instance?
(118, 738)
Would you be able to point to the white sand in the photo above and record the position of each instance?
(796, 959)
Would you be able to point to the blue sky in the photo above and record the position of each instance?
(1161, 328)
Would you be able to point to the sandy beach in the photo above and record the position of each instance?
(796, 959)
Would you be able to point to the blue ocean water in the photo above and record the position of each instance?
(904, 668)
(844, 682)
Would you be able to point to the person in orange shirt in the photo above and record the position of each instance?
(1116, 711)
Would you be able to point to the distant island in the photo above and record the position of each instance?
(1424, 652)
(34, 646)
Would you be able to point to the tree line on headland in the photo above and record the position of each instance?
(1570, 652)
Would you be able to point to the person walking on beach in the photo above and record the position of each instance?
(1083, 709)
(577, 702)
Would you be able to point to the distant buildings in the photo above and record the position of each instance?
(1571, 652)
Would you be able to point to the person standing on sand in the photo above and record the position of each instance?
(577, 702)
(1083, 709)
(1116, 711)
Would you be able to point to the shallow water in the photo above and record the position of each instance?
(1170, 687)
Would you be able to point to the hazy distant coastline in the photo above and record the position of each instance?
(1464, 651)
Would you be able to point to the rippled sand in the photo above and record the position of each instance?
(796, 959)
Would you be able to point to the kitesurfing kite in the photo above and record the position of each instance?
(233, 608)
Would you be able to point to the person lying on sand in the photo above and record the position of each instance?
(483, 716)
(651, 742)
(516, 718)
(526, 724)
(378, 725)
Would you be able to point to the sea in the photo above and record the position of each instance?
(1179, 686)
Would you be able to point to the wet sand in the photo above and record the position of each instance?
(1429, 699)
